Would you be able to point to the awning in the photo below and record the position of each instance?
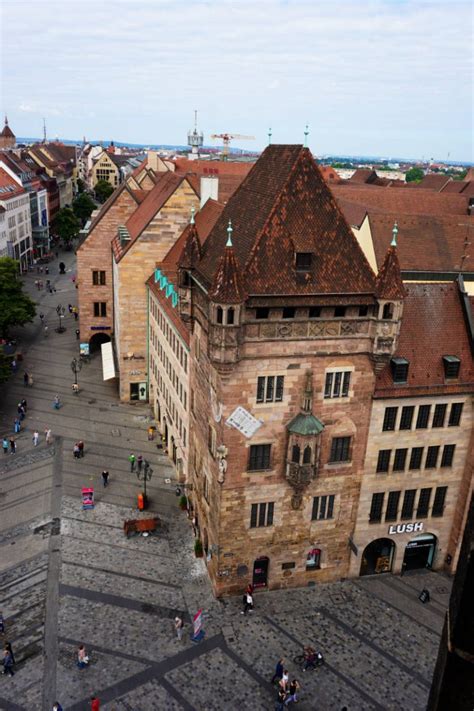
(108, 365)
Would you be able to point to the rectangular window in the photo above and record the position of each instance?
(439, 499)
(423, 417)
(314, 312)
(375, 515)
(408, 504)
(455, 414)
(399, 370)
(100, 308)
(303, 261)
(363, 310)
(439, 416)
(431, 457)
(339, 311)
(400, 460)
(340, 449)
(383, 461)
(211, 440)
(406, 417)
(423, 503)
(98, 278)
(389, 419)
(391, 514)
(448, 454)
(323, 507)
(259, 457)
(270, 388)
(451, 365)
(289, 312)
(337, 384)
(262, 312)
(416, 456)
(261, 515)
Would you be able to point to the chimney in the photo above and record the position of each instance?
(209, 189)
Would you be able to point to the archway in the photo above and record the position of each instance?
(378, 557)
(97, 340)
(420, 552)
(260, 572)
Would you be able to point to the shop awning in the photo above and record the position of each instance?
(108, 365)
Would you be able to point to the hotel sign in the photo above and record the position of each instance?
(405, 528)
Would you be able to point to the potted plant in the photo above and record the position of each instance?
(183, 503)
(198, 548)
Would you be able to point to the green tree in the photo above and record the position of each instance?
(83, 207)
(16, 308)
(66, 225)
(103, 190)
(80, 185)
(5, 368)
(414, 175)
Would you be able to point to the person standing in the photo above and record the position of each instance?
(9, 649)
(139, 462)
(247, 603)
(2, 624)
(78, 333)
(95, 703)
(280, 702)
(105, 477)
(284, 680)
(57, 706)
(47, 434)
(12, 446)
(35, 438)
(82, 658)
(69, 308)
(132, 460)
(7, 663)
(76, 451)
(57, 402)
(178, 625)
(5, 445)
(278, 671)
(17, 425)
(293, 688)
(30, 380)
(80, 444)
(24, 405)
(25, 379)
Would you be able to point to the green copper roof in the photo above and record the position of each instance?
(305, 425)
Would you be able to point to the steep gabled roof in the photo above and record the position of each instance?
(284, 205)
(227, 285)
(6, 131)
(363, 175)
(389, 280)
(402, 201)
(153, 202)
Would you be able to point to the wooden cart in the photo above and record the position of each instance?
(141, 525)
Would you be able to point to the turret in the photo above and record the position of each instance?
(189, 258)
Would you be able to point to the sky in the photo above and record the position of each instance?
(380, 77)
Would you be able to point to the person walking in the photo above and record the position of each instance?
(69, 308)
(105, 477)
(24, 405)
(31, 380)
(278, 671)
(41, 317)
(139, 462)
(178, 625)
(82, 658)
(95, 703)
(80, 444)
(284, 680)
(14, 365)
(280, 702)
(5, 445)
(2, 623)
(57, 706)
(75, 389)
(25, 379)
(46, 330)
(247, 601)
(78, 333)
(47, 435)
(17, 425)
(7, 663)
(9, 649)
(76, 451)
(35, 438)
(132, 460)
(12, 446)
(292, 689)
(57, 402)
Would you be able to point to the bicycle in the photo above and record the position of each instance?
(301, 659)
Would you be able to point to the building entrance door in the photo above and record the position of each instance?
(260, 572)
(419, 553)
(378, 557)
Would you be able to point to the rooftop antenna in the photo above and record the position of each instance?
(44, 130)
(306, 134)
(393, 243)
(229, 234)
(269, 136)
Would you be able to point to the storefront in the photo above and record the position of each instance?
(420, 552)
(378, 557)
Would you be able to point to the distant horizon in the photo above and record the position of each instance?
(368, 78)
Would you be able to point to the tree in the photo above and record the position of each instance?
(5, 368)
(16, 308)
(103, 190)
(414, 175)
(65, 224)
(83, 207)
(80, 185)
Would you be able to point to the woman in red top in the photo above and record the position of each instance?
(95, 703)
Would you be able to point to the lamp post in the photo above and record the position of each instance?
(76, 365)
(60, 310)
(145, 476)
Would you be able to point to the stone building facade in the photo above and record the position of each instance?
(289, 325)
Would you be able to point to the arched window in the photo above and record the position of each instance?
(185, 280)
(295, 454)
(307, 455)
(313, 559)
(387, 311)
(230, 316)
(219, 315)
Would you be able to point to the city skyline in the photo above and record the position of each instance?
(383, 82)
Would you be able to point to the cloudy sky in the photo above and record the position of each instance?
(370, 77)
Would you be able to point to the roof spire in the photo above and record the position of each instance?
(229, 234)
(393, 243)
(191, 221)
(269, 136)
(6, 120)
(306, 134)
(44, 130)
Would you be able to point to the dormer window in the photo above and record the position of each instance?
(399, 370)
(303, 261)
(451, 365)
(387, 311)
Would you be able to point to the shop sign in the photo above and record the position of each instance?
(405, 528)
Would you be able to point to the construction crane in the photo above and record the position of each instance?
(227, 138)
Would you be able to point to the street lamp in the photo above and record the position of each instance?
(76, 365)
(145, 476)
(60, 310)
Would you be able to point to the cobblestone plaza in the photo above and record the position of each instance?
(71, 577)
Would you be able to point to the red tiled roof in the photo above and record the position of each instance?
(433, 326)
(208, 168)
(433, 181)
(154, 201)
(469, 175)
(6, 131)
(139, 195)
(227, 286)
(401, 201)
(9, 188)
(454, 186)
(425, 242)
(283, 200)
(389, 281)
(363, 175)
(354, 213)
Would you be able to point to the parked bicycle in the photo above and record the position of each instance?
(310, 659)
